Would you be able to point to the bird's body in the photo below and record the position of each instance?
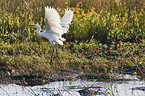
(55, 27)
(53, 38)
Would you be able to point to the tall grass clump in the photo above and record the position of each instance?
(105, 26)
(126, 23)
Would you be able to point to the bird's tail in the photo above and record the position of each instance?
(62, 39)
(59, 42)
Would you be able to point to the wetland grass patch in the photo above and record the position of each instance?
(100, 39)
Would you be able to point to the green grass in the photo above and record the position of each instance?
(101, 38)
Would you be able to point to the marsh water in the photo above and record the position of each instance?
(130, 86)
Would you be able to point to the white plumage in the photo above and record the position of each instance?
(55, 26)
(66, 20)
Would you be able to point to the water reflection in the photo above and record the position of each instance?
(78, 88)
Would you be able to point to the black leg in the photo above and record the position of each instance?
(57, 55)
(52, 54)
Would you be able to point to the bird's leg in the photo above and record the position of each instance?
(57, 54)
(52, 54)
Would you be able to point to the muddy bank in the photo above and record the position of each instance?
(41, 79)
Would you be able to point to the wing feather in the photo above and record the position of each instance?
(52, 21)
(66, 20)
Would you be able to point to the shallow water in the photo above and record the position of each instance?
(78, 88)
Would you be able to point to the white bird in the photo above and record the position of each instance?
(55, 27)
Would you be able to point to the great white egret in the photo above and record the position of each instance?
(55, 27)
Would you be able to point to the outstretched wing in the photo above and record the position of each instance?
(66, 20)
(52, 21)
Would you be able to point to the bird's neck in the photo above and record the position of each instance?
(38, 31)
